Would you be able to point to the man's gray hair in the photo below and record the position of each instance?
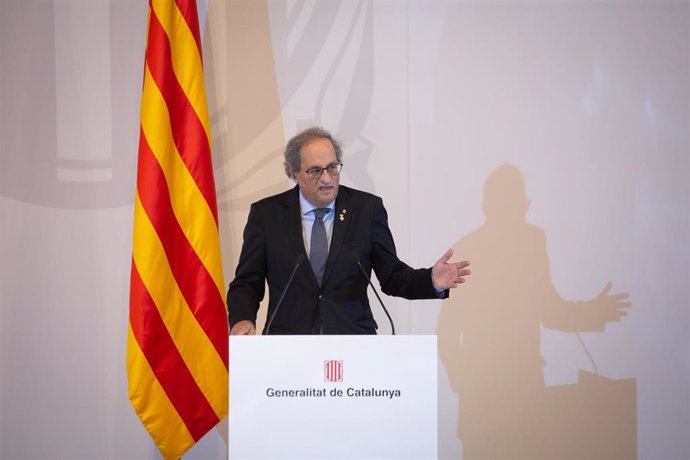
(294, 145)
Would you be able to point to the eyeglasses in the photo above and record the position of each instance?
(332, 169)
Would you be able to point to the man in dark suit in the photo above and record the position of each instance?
(320, 233)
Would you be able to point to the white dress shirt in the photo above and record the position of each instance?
(308, 220)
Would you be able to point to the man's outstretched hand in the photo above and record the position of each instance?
(445, 275)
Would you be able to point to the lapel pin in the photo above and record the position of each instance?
(342, 215)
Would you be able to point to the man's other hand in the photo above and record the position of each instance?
(243, 328)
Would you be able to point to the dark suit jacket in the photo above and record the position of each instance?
(273, 244)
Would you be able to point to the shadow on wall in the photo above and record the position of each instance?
(489, 343)
(245, 114)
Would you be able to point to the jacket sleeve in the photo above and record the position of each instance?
(396, 277)
(247, 290)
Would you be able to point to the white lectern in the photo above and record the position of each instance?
(351, 397)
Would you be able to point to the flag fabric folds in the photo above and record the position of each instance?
(177, 344)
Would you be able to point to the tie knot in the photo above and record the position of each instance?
(320, 212)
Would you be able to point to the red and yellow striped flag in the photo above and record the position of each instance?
(177, 352)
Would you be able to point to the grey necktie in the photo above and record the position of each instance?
(318, 250)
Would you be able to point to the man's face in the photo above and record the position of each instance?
(320, 192)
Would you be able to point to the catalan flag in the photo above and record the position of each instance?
(177, 344)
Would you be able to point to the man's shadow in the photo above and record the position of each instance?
(489, 334)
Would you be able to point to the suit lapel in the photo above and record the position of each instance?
(293, 219)
(341, 222)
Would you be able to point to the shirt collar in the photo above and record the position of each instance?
(306, 207)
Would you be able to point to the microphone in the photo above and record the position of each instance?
(298, 262)
(364, 272)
